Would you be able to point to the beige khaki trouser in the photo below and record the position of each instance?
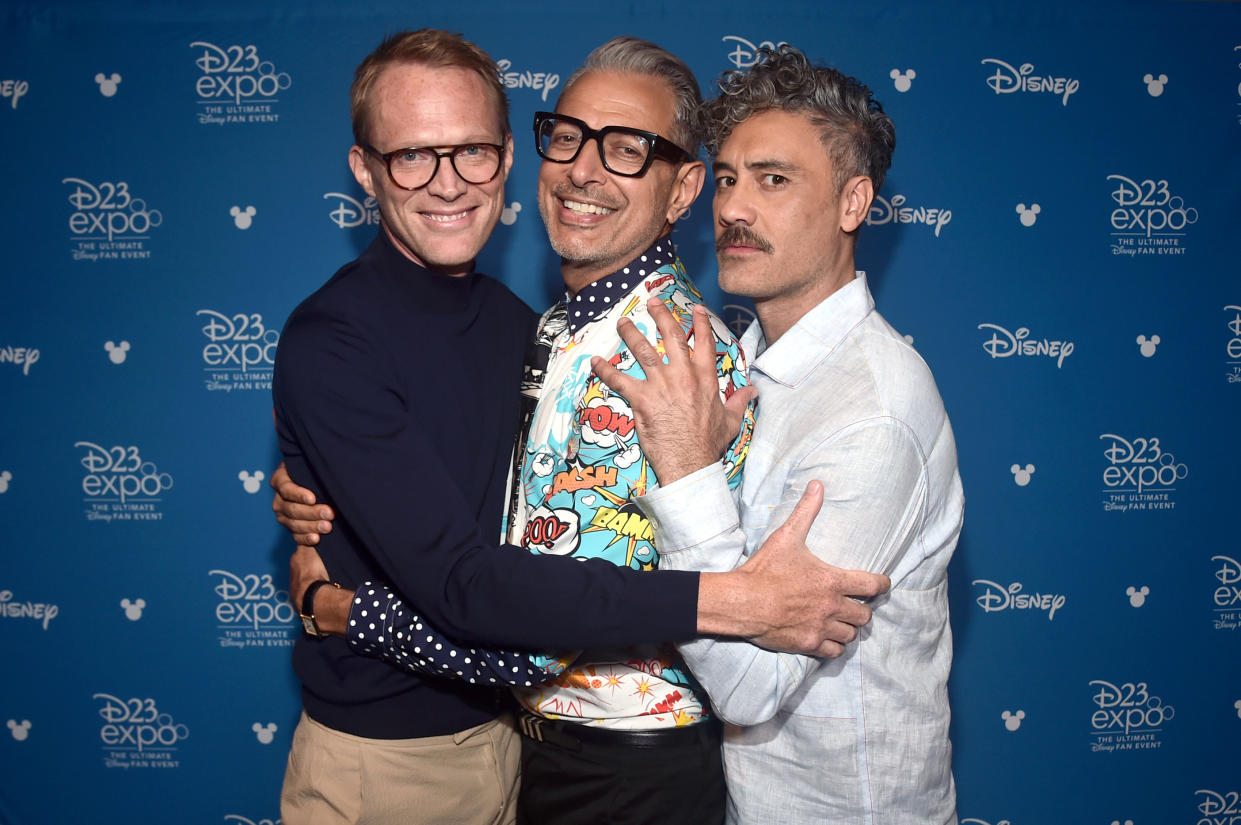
(466, 778)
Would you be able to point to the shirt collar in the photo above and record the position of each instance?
(598, 297)
(814, 337)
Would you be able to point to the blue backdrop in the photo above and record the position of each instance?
(1058, 236)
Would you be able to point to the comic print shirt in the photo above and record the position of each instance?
(581, 468)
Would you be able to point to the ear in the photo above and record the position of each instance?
(361, 172)
(855, 201)
(685, 189)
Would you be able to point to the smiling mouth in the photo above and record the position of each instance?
(580, 208)
(440, 218)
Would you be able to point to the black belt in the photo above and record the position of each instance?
(572, 735)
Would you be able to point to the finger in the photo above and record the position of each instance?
(735, 407)
(704, 342)
(847, 618)
(304, 538)
(676, 346)
(279, 477)
(291, 492)
(829, 650)
(641, 348)
(803, 515)
(616, 380)
(309, 513)
(863, 585)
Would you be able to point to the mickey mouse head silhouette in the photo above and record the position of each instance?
(108, 83)
(266, 734)
(508, 216)
(1028, 216)
(251, 481)
(902, 80)
(133, 609)
(5, 478)
(1021, 475)
(1147, 345)
(1154, 85)
(1137, 596)
(20, 730)
(1012, 721)
(117, 352)
(243, 218)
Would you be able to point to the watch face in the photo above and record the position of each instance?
(308, 625)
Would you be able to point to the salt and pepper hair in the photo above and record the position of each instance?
(425, 47)
(632, 55)
(858, 136)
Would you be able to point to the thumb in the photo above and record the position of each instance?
(797, 525)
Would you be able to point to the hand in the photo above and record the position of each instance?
(789, 599)
(305, 567)
(682, 424)
(296, 510)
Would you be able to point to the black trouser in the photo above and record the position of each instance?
(600, 777)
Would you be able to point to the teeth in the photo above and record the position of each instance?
(586, 208)
(445, 218)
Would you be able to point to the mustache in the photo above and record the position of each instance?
(739, 235)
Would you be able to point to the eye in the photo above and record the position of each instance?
(411, 157)
(470, 151)
(774, 180)
(724, 181)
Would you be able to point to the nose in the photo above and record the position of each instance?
(734, 205)
(446, 183)
(587, 167)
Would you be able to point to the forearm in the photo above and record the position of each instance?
(380, 625)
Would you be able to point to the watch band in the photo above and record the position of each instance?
(309, 624)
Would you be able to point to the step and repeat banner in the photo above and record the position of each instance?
(1058, 237)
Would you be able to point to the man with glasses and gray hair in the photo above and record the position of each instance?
(396, 394)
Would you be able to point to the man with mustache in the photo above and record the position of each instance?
(396, 388)
(799, 152)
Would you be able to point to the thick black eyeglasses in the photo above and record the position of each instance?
(624, 151)
(416, 166)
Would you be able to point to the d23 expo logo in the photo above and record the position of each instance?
(251, 612)
(120, 485)
(236, 84)
(1218, 808)
(108, 223)
(137, 734)
(240, 353)
(1127, 717)
(744, 53)
(1140, 475)
(1226, 595)
(1149, 218)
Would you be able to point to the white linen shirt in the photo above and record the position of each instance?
(862, 738)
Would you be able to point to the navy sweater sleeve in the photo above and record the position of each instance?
(355, 431)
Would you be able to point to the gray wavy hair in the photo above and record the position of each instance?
(858, 136)
(633, 55)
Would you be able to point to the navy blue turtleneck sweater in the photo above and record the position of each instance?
(396, 402)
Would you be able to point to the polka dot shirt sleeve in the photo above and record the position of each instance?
(384, 627)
